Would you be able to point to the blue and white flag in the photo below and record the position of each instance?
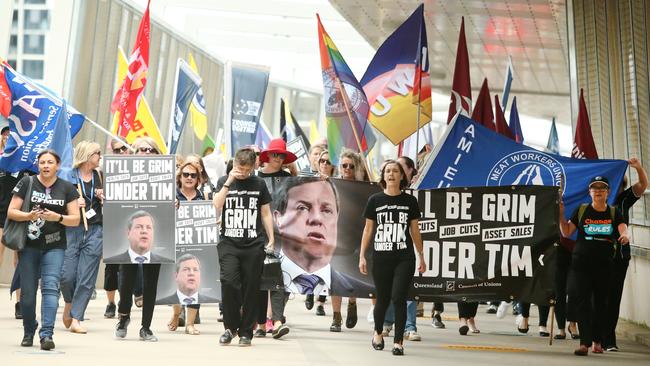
(185, 87)
(38, 120)
(472, 155)
(263, 137)
(506, 85)
(75, 119)
(553, 144)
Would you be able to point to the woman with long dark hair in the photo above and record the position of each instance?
(52, 206)
(392, 210)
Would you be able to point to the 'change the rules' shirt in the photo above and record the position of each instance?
(392, 215)
(241, 216)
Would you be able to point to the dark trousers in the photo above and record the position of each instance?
(563, 311)
(128, 278)
(262, 306)
(439, 307)
(617, 281)
(393, 277)
(278, 302)
(467, 310)
(543, 312)
(111, 272)
(588, 287)
(241, 269)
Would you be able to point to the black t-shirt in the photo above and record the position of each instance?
(181, 197)
(88, 192)
(624, 202)
(280, 173)
(597, 233)
(241, 216)
(47, 234)
(392, 214)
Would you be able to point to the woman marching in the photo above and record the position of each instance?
(84, 251)
(393, 260)
(53, 206)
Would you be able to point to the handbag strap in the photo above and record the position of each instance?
(28, 195)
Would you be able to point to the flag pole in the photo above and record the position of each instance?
(109, 134)
(350, 119)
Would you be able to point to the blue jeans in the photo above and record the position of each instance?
(411, 309)
(46, 264)
(81, 266)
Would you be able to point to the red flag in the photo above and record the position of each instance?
(5, 92)
(501, 125)
(461, 89)
(128, 97)
(483, 109)
(583, 142)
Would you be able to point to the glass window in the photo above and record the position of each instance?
(34, 44)
(12, 63)
(14, 22)
(13, 44)
(33, 68)
(37, 19)
(35, 1)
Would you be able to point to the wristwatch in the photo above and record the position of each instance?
(60, 218)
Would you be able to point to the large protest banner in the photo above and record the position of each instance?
(488, 243)
(195, 277)
(297, 147)
(139, 209)
(318, 226)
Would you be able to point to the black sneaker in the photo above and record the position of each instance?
(320, 310)
(280, 331)
(122, 325)
(309, 301)
(244, 341)
(351, 317)
(226, 338)
(28, 341)
(18, 314)
(259, 333)
(47, 343)
(110, 311)
(147, 335)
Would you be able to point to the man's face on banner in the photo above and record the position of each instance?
(308, 226)
(188, 277)
(141, 235)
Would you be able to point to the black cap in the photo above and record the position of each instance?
(599, 179)
(4, 129)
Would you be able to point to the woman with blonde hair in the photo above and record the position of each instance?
(85, 241)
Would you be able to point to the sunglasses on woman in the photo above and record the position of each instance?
(192, 175)
(278, 155)
(147, 150)
(119, 150)
(347, 166)
(325, 161)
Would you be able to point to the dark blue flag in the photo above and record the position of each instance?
(472, 155)
(186, 86)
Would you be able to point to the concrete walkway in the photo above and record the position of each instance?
(308, 343)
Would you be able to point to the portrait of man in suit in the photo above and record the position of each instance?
(140, 235)
(188, 283)
(306, 212)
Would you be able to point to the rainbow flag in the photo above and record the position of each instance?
(346, 105)
(397, 75)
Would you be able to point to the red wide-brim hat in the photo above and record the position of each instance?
(278, 146)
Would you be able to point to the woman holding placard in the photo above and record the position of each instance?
(392, 210)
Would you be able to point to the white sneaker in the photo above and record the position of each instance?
(412, 336)
(519, 319)
(502, 309)
(371, 315)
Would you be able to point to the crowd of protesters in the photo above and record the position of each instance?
(64, 249)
